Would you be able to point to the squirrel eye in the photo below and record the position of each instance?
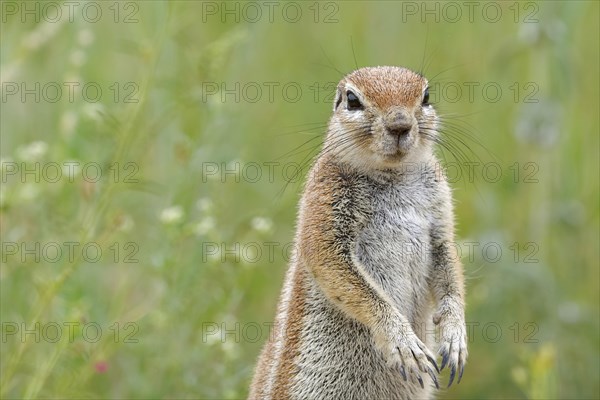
(353, 102)
(426, 97)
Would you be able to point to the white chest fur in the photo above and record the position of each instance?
(394, 245)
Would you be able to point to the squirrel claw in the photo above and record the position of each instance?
(420, 381)
(452, 374)
(445, 358)
(432, 361)
(433, 378)
(412, 357)
(403, 373)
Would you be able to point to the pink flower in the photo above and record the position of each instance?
(101, 367)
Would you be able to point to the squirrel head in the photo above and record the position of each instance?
(382, 118)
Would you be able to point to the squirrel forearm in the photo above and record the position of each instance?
(448, 278)
(447, 271)
(448, 281)
(347, 285)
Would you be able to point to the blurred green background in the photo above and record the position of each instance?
(164, 134)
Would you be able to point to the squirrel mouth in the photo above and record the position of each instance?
(399, 148)
(395, 155)
(404, 143)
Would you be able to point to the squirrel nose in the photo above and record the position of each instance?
(399, 130)
(401, 126)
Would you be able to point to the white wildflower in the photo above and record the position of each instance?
(206, 225)
(204, 204)
(216, 255)
(171, 215)
(33, 151)
(214, 336)
(93, 110)
(230, 348)
(232, 170)
(85, 37)
(261, 224)
(70, 169)
(29, 191)
(78, 58)
(68, 122)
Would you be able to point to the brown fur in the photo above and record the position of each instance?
(292, 338)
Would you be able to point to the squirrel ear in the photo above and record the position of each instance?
(338, 98)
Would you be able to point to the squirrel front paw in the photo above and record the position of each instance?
(453, 343)
(407, 352)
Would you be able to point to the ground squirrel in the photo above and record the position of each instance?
(374, 266)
